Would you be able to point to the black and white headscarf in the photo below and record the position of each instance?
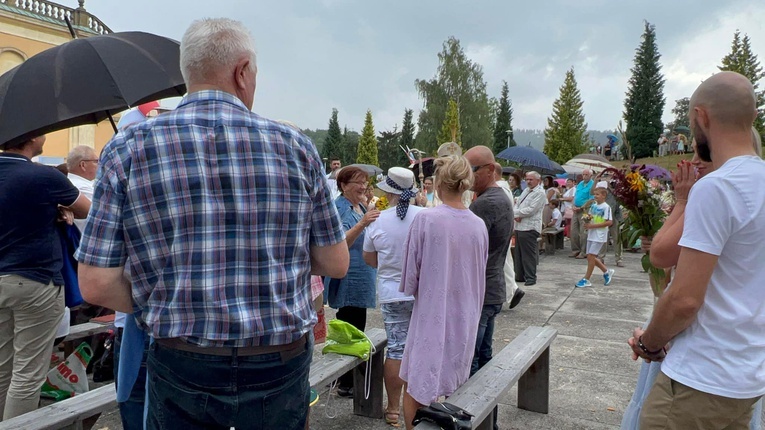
(403, 202)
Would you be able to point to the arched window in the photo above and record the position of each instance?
(10, 58)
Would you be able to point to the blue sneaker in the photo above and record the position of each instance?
(584, 282)
(608, 276)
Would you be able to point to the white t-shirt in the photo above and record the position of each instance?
(387, 236)
(600, 214)
(556, 215)
(333, 188)
(86, 188)
(571, 192)
(722, 352)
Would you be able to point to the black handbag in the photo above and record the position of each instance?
(445, 415)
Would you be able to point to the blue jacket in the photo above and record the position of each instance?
(357, 288)
(70, 241)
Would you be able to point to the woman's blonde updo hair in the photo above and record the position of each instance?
(453, 174)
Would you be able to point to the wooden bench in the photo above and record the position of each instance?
(526, 360)
(553, 238)
(66, 414)
(71, 413)
(81, 331)
(332, 366)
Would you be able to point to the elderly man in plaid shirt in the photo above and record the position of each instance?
(221, 216)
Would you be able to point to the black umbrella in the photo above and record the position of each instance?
(85, 81)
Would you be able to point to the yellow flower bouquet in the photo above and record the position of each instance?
(382, 203)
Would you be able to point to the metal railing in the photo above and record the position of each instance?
(79, 17)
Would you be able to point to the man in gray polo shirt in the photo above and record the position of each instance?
(496, 210)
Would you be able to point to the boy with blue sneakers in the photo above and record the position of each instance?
(597, 224)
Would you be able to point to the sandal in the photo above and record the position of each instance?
(393, 422)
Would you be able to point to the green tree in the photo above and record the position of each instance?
(645, 97)
(350, 146)
(334, 141)
(407, 135)
(389, 153)
(681, 109)
(317, 137)
(566, 133)
(367, 152)
(450, 129)
(459, 79)
(503, 121)
(742, 60)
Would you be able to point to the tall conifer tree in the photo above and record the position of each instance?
(742, 60)
(450, 129)
(503, 121)
(566, 132)
(645, 101)
(367, 152)
(334, 141)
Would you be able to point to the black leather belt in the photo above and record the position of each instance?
(288, 351)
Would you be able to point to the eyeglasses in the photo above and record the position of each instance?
(359, 183)
(477, 168)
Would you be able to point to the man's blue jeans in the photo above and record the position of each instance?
(198, 391)
(131, 411)
(483, 341)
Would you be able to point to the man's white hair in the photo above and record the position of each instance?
(213, 45)
(77, 154)
(534, 174)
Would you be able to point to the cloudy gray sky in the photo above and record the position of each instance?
(355, 55)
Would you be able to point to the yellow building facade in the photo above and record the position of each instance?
(29, 27)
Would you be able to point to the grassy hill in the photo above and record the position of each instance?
(669, 162)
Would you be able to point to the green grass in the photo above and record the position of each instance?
(669, 162)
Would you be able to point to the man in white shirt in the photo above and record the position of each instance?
(335, 165)
(82, 164)
(528, 227)
(713, 313)
(514, 293)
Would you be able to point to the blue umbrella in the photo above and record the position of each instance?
(531, 159)
(611, 137)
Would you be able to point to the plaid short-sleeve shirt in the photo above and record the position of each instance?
(213, 209)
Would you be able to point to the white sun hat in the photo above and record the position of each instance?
(398, 180)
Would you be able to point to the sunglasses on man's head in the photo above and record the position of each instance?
(477, 168)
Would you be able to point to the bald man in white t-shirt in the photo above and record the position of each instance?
(713, 313)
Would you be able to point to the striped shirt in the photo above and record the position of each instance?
(213, 209)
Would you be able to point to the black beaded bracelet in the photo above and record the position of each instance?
(644, 349)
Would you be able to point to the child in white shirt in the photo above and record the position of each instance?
(600, 219)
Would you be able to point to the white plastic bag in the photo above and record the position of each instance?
(69, 377)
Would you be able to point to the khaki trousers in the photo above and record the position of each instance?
(578, 234)
(29, 315)
(673, 406)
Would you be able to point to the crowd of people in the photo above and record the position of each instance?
(672, 144)
(214, 230)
